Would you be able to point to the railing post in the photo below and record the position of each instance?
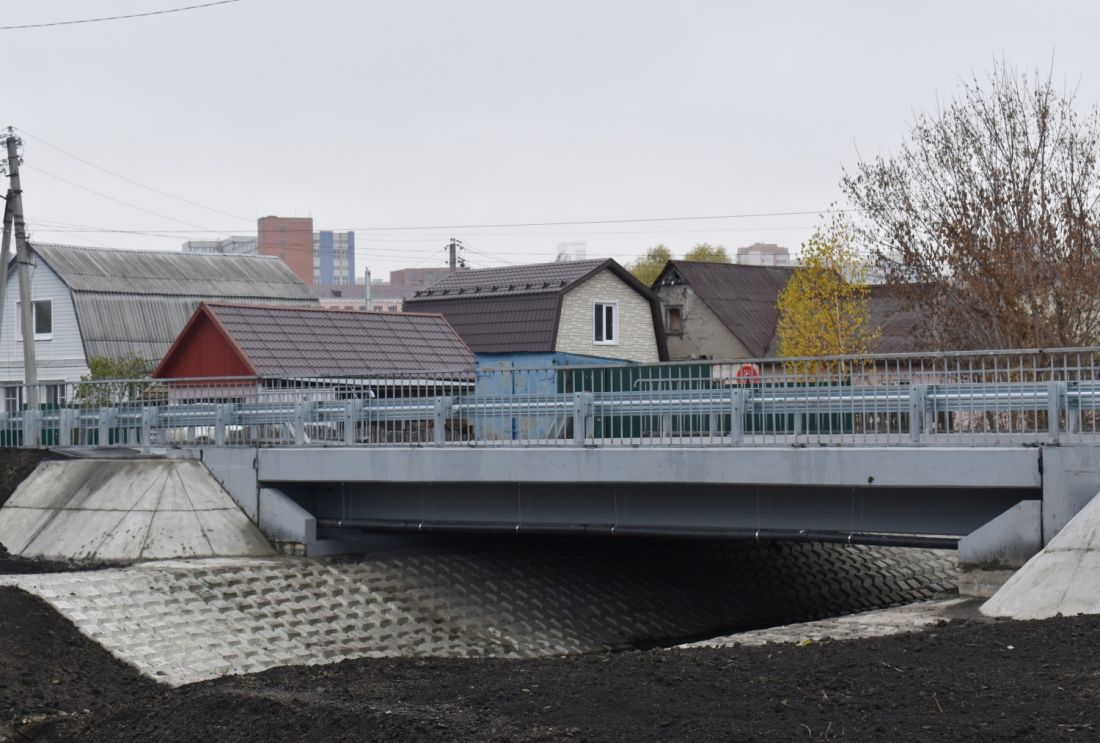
(106, 423)
(351, 421)
(1073, 412)
(148, 421)
(302, 412)
(582, 417)
(442, 413)
(1056, 403)
(737, 416)
(221, 418)
(918, 398)
(65, 417)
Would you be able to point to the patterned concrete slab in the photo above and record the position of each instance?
(125, 510)
(187, 620)
(878, 623)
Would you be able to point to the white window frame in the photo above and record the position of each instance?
(61, 388)
(614, 325)
(18, 387)
(19, 323)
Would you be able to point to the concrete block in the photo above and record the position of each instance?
(1071, 477)
(1007, 541)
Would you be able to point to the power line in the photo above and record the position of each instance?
(118, 17)
(124, 203)
(131, 180)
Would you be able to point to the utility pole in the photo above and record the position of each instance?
(5, 254)
(455, 261)
(22, 258)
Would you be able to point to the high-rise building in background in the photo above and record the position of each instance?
(333, 257)
(324, 257)
(764, 254)
(291, 239)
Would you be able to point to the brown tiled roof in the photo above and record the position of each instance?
(743, 297)
(897, 320)
(536, 278)
(516, 308)
(291, 341)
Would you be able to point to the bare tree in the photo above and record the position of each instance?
(989, 216)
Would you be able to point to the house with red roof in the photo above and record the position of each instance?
(238, 352)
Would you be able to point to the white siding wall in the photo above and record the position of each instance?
(59, 359)
(576, 331)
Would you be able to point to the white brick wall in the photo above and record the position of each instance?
(576, 331)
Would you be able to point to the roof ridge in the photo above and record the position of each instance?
(147, 251)
(312, 307)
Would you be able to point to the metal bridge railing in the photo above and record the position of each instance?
(971, 398)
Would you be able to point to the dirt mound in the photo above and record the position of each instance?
(47, 667)
(959, 681)
(15, 465)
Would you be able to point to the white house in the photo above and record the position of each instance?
(94, 302)
(592, 308)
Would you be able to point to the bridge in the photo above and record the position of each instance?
(991, 452)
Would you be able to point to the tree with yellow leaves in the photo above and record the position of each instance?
(824, 309)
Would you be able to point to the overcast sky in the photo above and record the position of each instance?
(368, 115)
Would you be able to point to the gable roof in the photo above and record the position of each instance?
(173, 274)
(897, 319)
(516, 308)
(135, 302)
(743, 297)
(284, 341)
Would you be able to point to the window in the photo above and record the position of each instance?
(607, 322)
(675, 322)
(13, 398)
(55, 395)
(41, 317)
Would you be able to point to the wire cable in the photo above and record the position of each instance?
(118, 201)
(117, 17)
(131, 180)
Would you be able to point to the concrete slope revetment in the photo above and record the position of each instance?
(1063, 578)
(126, 510)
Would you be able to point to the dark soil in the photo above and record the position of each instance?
(15, 465)
(47, 667)
(960, 681)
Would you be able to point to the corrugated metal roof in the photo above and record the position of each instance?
(297, 341)
(535, 278)
(743, 297)
(135, 302)
(173, 274)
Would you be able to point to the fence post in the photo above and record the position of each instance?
(106, 422)
(1073, 412)
(737, 416)
(582, 417)
(302, 412)
(148, 421)
(221, 416)
(65, 418)
(351, 421)
(918, 398)
(1056, 402)
(442, 413)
